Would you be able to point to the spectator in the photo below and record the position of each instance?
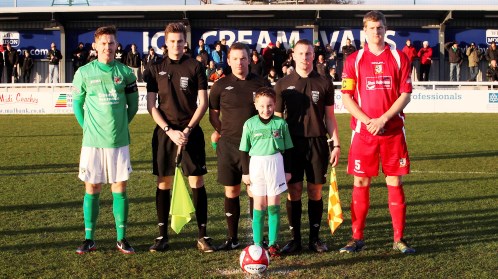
(330, 57)
(289, 62)
(54, 57)
(211, 69)
(455, 58)
(318, 49)
(120, 54)
(267, 54)
(256, 67)
(150, 59)
(92, 55)
(321, 66)
(11, 58)
(204, 51)
(492, 72)
(425, 54)
(219, 56)
(347, 50)
(79, 57)
(280, 54)
(333, 74)
(186, 50)
(223, 44)
(27, 65)
(272, 76)
(1, 62)
(474, 55)
(492, 52)
(133, 60)
(410, 51)
(164, 50)
(217, 75)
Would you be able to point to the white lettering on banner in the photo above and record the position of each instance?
(10, 37)
(154, 42)
(264, 37)
(491, 36)
(348, 34)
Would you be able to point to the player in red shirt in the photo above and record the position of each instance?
(376, 87)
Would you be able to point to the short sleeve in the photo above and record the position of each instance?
(349, 78)
(78, 88)
(245, 143)
(151, 80)
(214, 97)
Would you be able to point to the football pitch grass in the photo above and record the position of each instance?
(452, 213)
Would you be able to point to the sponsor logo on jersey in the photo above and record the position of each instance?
(95, 81)
(184, 83)
(381, 82)
(348, 83)
(258, 135)
(315, 96)
(229, 88)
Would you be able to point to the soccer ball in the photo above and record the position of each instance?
(254, 259)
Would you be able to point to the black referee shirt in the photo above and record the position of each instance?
(304, 101)
(177, 84)
(234, 98)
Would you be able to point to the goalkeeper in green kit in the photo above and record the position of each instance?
(105, 100)
(265, 137)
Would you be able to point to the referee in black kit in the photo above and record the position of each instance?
(177, 83)
(231, 103)
(308, 102)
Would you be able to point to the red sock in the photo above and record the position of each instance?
(397, 207)
(359, 210)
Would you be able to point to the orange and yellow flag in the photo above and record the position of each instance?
(334, 205)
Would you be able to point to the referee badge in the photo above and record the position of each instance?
(315, 96)
(184, 83)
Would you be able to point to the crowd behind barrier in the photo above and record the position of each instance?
(469, 63)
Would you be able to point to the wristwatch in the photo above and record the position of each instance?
(189, 129)
(166, 128)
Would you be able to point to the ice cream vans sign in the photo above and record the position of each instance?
(11, 38)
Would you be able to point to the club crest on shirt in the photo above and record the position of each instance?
(118, 80)
(276, 133)
(184, 83)
(378, 69)
(315, 96)
(402, 162)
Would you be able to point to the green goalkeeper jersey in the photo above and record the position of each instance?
(260, 139)
(110, 97)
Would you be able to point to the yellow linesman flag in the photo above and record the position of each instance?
(181, 203)
(334, 205)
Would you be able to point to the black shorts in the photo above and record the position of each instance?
(164, 153)
(310, 156)
(229, 164)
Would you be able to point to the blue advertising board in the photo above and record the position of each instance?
(37, 42)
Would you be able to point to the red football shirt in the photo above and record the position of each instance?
(376, 82)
